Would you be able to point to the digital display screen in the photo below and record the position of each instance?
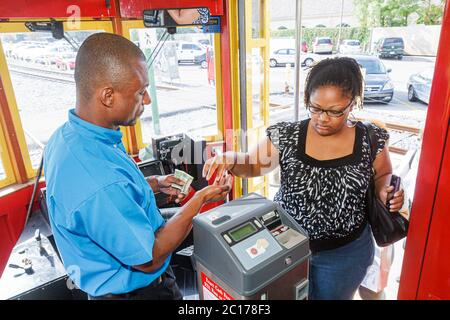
(242, 232)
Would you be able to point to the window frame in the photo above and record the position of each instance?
(5, 150)
(15, 26)
(127, 25)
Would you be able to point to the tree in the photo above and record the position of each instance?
(431, 13)
(368, 12)
(395, 13)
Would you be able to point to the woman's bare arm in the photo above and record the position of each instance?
(261, 160)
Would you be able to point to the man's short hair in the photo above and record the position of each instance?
(104, 59)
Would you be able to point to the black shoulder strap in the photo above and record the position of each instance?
(372, 139)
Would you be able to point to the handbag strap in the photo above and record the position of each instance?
(372, 139)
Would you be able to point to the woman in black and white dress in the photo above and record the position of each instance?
(325, 171)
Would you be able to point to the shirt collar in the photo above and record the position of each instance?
(93, 131)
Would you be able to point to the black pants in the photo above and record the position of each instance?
(163, 288)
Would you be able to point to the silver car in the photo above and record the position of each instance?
(419, 85)
(378, 86)
(287, 55)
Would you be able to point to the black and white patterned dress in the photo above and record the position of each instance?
(326, 197)
(204, 16)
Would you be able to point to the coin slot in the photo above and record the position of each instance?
(221, 220)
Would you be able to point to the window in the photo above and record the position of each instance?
(282, 51)
(372, 66)
(182, 84)
(41, 70)
(6, 171)
(393, 41)
(2, 167)
(352, 43)
(257, 19)
(257, 84)
(324, 41)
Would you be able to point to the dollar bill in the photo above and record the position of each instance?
(186, 178)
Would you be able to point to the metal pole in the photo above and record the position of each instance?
(151, 55)
(154, 97)
(243, 82)
(340, 25)
(298, 48)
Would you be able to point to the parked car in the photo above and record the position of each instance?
(190, 51)
(377, 83)
(53, 52)
(202, 59)
(20, 52)
(284, 56)
(390, 48)
(204, 42)
(66, 61)
(35, 54)
(322, 45)
(419, 85)
(350, 46)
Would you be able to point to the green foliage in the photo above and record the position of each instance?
(395, 13)
(430, 13)
(368, 12)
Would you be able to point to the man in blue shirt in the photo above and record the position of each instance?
(109, 232)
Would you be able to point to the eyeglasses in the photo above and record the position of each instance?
(330, 113)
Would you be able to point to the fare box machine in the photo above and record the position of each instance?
(250, 249)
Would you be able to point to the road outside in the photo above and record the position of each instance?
(398, 110)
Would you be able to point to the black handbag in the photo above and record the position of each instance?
(387, 227)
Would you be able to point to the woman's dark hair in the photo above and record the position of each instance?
(341, 72)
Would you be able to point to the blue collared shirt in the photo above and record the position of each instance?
(102, 211)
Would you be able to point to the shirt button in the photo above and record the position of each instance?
(115, 146)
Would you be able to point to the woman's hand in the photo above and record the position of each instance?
(219, 163)
(396, 203)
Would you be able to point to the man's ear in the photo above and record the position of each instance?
(107, 96)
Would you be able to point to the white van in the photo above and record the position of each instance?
(189, 51)
(350, 46)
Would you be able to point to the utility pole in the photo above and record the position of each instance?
(298, 51)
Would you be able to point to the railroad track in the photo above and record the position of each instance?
(406, 131)
(61, 76)
(49, 75)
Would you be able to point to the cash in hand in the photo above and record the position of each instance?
(186, 178)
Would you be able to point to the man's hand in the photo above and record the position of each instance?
(164, 185)
(218, 191)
